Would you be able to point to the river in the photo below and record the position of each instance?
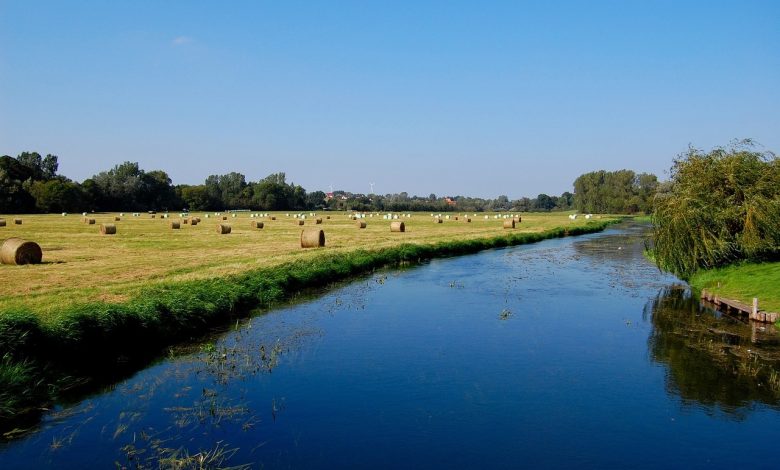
(573, 352)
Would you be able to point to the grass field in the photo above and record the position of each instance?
(743, 282)
(82, 266)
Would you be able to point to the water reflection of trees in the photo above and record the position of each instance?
(713, 360)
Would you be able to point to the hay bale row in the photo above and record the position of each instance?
(108, 229)
(17, 251)
(223, 229)
(312, 238)
(397, 227)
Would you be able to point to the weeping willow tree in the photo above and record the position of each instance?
(718, 208)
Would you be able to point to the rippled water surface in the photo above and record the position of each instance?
(570, 352)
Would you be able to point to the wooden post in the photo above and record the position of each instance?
(755, 305)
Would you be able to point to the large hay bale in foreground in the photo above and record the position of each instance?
(2, 222)
(509, 223)
(18, 221)
(397, 227)
(18, 251)
(175, 225)
(312, 238)
(223, 229)
(108, 229)
(361, 224)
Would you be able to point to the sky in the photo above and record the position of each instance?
(446, 97)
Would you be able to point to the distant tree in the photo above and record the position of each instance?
(57, 195)
(196, 198)
(618, 192)
(315, 200)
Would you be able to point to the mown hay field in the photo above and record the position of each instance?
(81, 265)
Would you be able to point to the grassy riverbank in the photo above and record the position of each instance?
(78, 336)
(743, 282)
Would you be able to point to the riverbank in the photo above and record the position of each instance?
(743, 282)
(40, 351)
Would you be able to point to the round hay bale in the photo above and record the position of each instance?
(327, 217)
(185, 221)
(18, 221)
(456, 217)
(438, 221)
(117, 219)
(223, 229)
(273, 218)
(175, 225)
(519, 219)
(90, 221)
(257, 224)
(2, 222)
(312, 238)
(468, 220)
(509, 223)
(108, 229)
(361, 224)
(18, 251)
(300, 222)
(397, 227)
(318, 220)
(153, 216)
(224, 217)
(196, 220)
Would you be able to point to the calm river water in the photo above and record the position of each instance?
(574, 352)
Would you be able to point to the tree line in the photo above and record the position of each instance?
(31, 183)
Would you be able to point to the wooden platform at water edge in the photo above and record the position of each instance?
(733, 306)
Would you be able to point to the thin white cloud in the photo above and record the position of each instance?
(182, 40)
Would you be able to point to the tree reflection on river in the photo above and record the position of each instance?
(716, 360)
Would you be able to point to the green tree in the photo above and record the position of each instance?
(721, 206)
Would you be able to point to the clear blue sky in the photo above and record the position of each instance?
(451, 97)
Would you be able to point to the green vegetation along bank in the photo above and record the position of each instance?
(40, 360)
(743, 282)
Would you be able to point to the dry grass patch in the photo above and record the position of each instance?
(79, 264)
